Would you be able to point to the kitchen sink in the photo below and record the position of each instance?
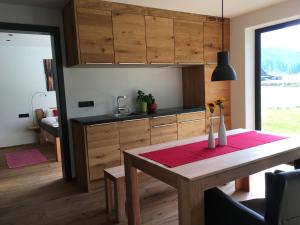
(120, 115)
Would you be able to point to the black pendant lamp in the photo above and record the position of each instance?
(223, 71)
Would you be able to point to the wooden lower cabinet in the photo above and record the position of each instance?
(191, 125)
(134, 133)
(100, 146)
(192, 128)
(103, 148)
(216, 123)
(163, 129)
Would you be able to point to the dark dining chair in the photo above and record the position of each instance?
(281, 205)
(297, 164)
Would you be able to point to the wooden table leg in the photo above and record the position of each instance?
(242, 184)
(119, 191)
(132, 192)
(191, 203)
(57, 149)
(108, 194)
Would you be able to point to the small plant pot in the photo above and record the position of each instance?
(153, 108)
(142, 107)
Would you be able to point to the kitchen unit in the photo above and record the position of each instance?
(99, 32)
(110, 34)
(100, 140)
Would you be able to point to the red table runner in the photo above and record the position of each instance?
(189, 153)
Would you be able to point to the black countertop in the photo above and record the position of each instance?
(91, 120)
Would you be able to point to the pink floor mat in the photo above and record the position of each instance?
(24, 158)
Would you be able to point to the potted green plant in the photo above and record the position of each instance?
(141, 102)
(151, 104)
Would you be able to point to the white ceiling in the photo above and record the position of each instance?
(232, 8)
(24, 40)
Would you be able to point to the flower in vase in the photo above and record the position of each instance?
(211, 107)
(220, 102)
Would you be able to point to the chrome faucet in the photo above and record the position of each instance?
(121, 108)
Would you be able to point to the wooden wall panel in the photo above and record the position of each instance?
(193, 86)
(80, 155)
(70, 32)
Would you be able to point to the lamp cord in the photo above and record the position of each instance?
(222, 26)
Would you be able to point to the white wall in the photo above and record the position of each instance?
(242, 56)
(22, 75)
(104, 85)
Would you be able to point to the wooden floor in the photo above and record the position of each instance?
(37, 195)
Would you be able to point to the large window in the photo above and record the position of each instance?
(278, 78)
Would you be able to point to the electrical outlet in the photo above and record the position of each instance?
(86, 104)
(25, 115)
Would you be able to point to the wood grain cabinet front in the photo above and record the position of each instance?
(188, 42)
(213, 40)
(214, 91)
(134, 133)
(163, 129)
(103, 148)
(160, 40)
(129, 38)
(95, 36)
(191, 125)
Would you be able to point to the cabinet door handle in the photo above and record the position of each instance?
(190, 63)
(126, 121)
(164, 125)
(161, 63)
(190, 121)
(96, 63)
(133, 63)
(157, 117)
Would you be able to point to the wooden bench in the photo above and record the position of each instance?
(115, 177)
(115, 195)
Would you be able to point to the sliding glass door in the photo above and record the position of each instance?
(278, 78)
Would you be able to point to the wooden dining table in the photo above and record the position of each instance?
(192, 179)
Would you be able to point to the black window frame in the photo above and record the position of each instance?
(258, 33)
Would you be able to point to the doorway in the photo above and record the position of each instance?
(278, 78)
(54, 84)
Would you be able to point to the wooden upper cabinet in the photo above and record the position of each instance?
(105, 32)
(95, 36)
(159, 39)
(129, 38)
(188, 41)
(212, 41)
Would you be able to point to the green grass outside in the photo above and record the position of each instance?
(286, 121)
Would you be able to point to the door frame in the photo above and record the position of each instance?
(54, 32)
(258, 33)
